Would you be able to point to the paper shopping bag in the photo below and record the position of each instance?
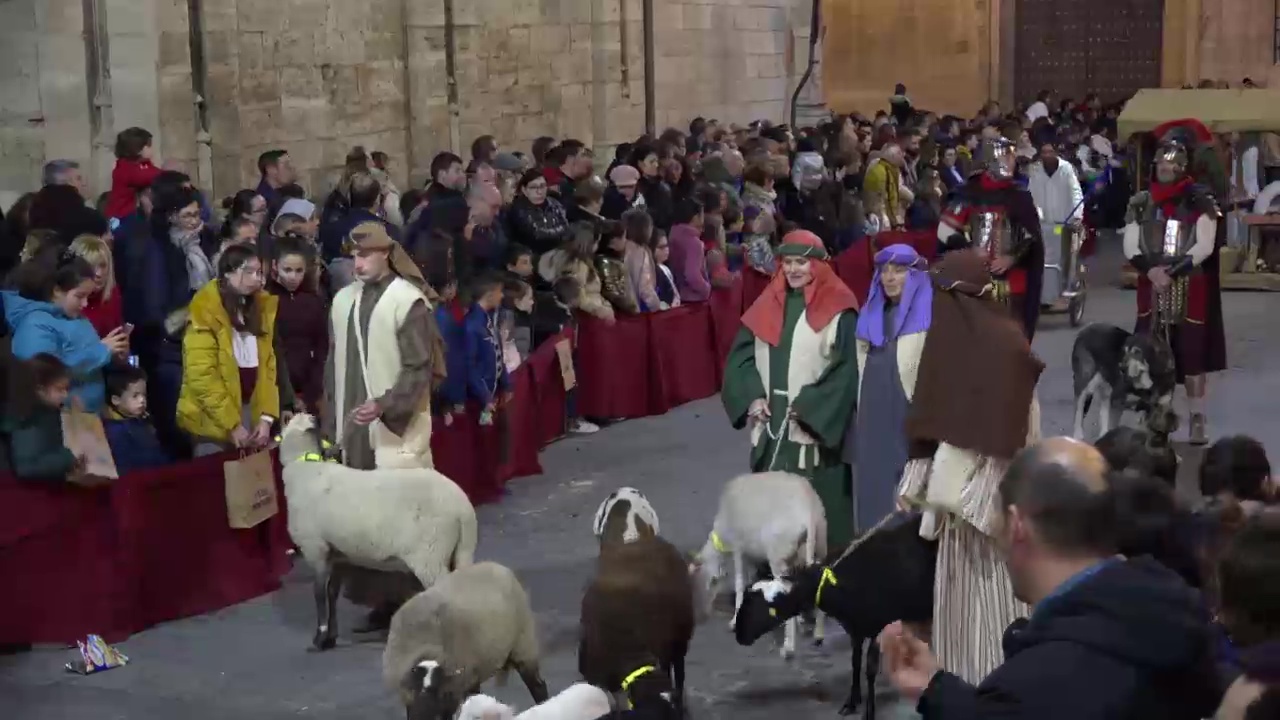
(85, 437)
(251, 490)
(565, 352)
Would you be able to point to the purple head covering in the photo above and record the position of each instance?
(915, 305)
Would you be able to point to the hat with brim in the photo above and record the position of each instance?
(373, 236)
(802, 243)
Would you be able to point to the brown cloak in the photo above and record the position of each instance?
(977, 371)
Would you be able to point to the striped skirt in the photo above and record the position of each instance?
(973, 602)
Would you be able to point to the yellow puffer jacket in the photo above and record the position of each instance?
(209, 404)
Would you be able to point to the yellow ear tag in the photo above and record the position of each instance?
(773, 612)
(1057, 229)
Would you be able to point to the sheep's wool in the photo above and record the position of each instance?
(380, 365)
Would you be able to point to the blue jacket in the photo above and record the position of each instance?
(453, 391)
(334, 233)
(41, 327)
(486, 373)
(134, 444)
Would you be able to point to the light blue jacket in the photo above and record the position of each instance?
(41, 327)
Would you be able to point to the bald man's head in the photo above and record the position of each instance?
(1060, 487)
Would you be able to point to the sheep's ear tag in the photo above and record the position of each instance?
(773, 612)
(279, 439)
(323, 443)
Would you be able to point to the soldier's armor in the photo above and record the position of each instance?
(1164, 240)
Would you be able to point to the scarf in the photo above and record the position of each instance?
(199, 270)
(915, 305)
(824, 297)
(1165, 195)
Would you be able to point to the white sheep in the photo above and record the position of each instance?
(773, 517)
(579, 701)
(414, 520)
(473, 624)
(625, 516)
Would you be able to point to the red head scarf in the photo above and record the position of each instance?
(824, 298)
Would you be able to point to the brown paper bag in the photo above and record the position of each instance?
(84, 436)
(251, 490)
(565, 352)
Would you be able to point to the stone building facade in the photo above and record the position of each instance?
(219, 81)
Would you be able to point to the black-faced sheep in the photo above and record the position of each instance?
(471, 625)
(637, 620)
(773, 517)
(887, 576)
(386, 519)
(625, 516)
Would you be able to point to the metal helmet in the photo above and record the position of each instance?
(1176, 140)
(997, 157)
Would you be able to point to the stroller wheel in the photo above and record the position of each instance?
(1075, 310)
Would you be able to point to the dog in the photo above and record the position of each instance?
(1122, 371)
(624, 517)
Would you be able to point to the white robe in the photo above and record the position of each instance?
(1058, 197)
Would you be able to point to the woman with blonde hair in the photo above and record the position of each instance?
(105, 309)
(576, 259)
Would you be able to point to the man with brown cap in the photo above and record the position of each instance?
(386, 357)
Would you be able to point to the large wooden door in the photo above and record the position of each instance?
(1110, 47)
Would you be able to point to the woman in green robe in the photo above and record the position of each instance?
(792, 377)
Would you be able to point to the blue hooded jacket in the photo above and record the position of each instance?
(42, 327)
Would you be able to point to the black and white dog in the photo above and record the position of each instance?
(1122, 371)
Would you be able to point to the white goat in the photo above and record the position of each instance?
(625, 516)
(579, 701)
(472, 625)
(414, 520)
(773, 517)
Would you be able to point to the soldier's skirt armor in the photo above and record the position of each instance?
(1179, 312)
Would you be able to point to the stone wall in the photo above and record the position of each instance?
(316, 77)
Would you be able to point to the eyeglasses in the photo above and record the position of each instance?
(189, 215)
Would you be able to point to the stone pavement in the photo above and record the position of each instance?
(251, 662)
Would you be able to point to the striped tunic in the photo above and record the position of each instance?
(973, 599)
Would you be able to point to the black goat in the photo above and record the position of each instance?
(887, 576)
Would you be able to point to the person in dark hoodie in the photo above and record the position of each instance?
(1108, 637)
(302, 320)
(133, 441)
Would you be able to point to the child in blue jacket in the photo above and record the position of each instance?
(133, 441)
(451, 395)
(487, 380)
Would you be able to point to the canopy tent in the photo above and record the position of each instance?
(1220, 110)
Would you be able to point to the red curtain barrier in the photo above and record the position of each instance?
(155, 546)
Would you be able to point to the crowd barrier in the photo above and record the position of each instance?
(155, 545)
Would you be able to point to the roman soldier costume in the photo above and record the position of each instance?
(997, 218)
(1171, 238)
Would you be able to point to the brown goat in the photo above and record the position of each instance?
(637, 610)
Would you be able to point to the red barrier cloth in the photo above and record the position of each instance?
(753, 283)
(58, 559)
(523, 437)
(548, 416)
(186, 559)
(453, 450)
(685, 358)
(726, 319)
(613, 368)
(154, 546)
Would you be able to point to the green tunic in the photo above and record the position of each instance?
(823, 409)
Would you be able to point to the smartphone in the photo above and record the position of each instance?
(127, 328)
